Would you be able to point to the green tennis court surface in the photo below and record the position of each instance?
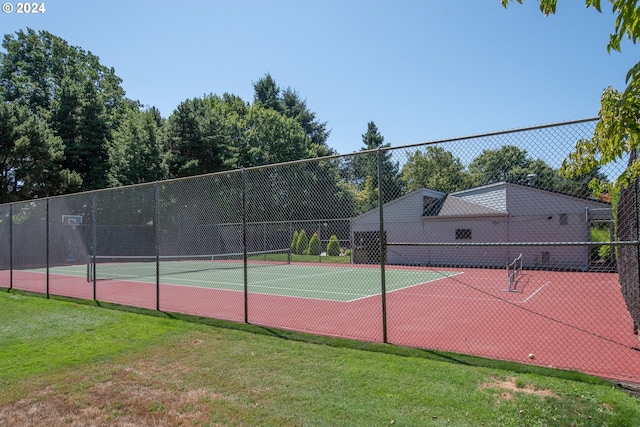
(337, 283)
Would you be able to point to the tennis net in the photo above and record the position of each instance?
(105, 267)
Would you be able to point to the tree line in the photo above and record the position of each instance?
(67, 126)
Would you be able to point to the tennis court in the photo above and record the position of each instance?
(271, 277)
(568, 319)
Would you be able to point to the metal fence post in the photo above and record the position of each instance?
(10, 246)
(383, 250)
(94, 240)
(157, 243)
(244, 245)
(47, 240)
(636, 322)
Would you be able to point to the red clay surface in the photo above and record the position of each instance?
(576, 321)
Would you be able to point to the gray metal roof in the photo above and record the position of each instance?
(455, 206)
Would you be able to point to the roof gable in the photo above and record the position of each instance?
(415, 198)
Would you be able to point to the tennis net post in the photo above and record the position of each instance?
(514, 270)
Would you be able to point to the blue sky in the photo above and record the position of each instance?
(421, 70)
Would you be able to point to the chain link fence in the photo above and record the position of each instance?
(472, 245)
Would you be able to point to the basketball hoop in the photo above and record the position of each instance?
(72, 220)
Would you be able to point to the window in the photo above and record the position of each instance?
(546, 257)
(564, 219)
(463, 234)
(431, 206)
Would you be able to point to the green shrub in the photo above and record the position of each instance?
(294, 243)
(314, 245)
(601, 234)
(604, 252)
(333, 247)
(303, 243)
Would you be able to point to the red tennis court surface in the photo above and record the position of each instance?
(576, 321)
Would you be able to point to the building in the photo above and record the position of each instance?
(472, 228)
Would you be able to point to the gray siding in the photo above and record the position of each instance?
(530, 215)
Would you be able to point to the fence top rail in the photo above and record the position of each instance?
(490, 134)
(292, 221)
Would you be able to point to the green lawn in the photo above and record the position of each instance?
(67, 363)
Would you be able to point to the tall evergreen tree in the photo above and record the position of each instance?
(363, 168)
(30, 157)
(196, 140)
(297, 109)
(268, 95)
(79, 119)
(232, 114)
(136, 153)
(67, 86)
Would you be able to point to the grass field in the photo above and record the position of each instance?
(66, 363)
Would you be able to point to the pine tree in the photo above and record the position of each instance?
(314, 245)
(303, 243)
(333, 247)
(294, 243)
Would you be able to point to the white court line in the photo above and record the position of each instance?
(236, 285)
(256, 284)
(537, 290)
(253, 283)
(307, 290)
(450, 274)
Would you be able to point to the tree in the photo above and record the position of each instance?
(314, 245)
(69, 88)
(578, 184)
(513, 164)
(80, 119)
(271, 138)
(35, 64)
(362, 170)
(297, 109)
(302, 247)
(30, 157)
(136, 153)
(232, 112)
(333, 247)
(267, 93)
(366, 165)
(294, 242)
(367, 198)
(615, 137)
(196, 140)
(507, 163)
(437, 169)
(617, 133)
(288, 103)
